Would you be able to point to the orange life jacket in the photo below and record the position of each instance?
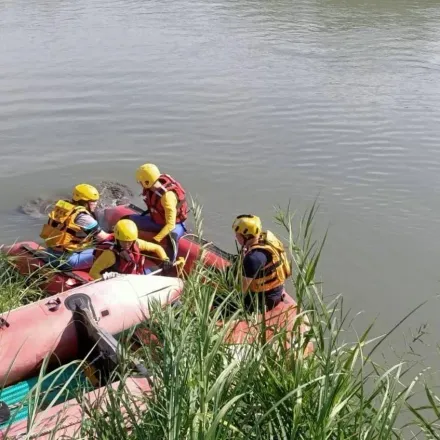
(274, 273)
(130, 262)
(152, 197)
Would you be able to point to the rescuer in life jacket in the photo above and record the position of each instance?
(264, 261)
(72, 230)
(167, 208)
(126, 254)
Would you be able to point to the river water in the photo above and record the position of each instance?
(250, 104)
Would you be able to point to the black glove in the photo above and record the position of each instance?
(167, 265)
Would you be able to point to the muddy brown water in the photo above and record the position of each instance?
(250, 104)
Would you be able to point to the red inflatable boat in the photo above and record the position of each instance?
(68, 417)
(30, 333)
(74, 325)
(49, 327)
(28, 261)
(29, 256)
(281, 320)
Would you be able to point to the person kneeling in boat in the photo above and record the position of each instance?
(126, 254)
(167, 207)
(265, 266)
(72, 230)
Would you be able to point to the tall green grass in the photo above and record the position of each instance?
(205, 388)
(15, 289)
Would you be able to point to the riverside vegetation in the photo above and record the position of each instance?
(206, 389)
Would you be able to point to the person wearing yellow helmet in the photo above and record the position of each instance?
(72, 230)
(126, 254)
(265, 266)
(167, 208)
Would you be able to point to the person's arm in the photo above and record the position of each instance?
(252, 264)
(145, 246)
(104, 261)
(169, 203)
(103, 236)
(91, 227)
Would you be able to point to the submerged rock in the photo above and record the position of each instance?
(112, 193)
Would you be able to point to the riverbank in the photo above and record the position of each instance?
(206, 389)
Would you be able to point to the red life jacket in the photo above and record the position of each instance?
(153, 196)
(130, 262)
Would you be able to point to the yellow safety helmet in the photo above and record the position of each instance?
(247, 224)
(147, 174)
(126, 230)
(85, 192)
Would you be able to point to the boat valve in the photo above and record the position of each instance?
(53, 304)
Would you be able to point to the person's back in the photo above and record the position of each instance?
(167, 207)
(72, 230)
(167, 195)
(254, 264)
(265, 265)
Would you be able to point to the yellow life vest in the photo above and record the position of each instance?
(61, 232)
(274, 273)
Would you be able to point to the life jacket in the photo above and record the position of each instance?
(274, 273)
(62, 232)
(152, 197)
(132, 262)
